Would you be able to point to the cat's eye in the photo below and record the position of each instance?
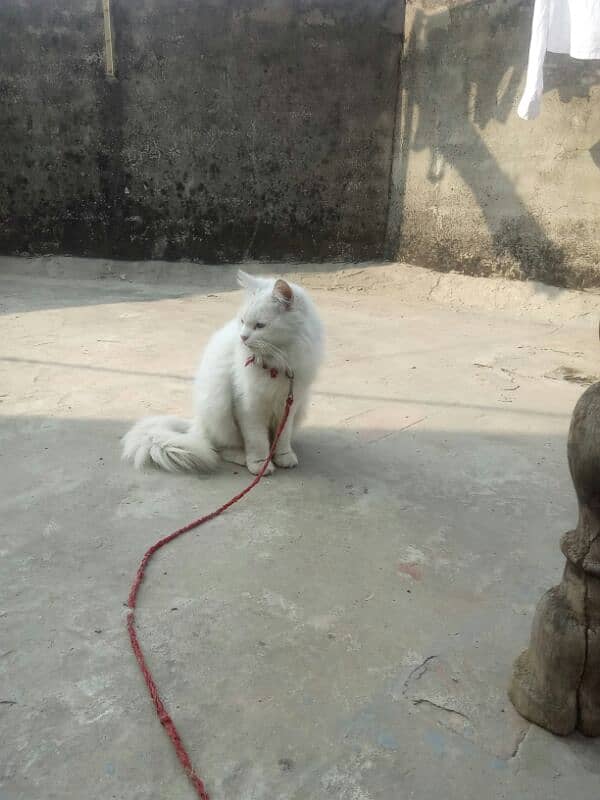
(259, 325)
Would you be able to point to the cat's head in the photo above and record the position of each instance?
(270, 316)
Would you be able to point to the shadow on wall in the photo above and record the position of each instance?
(468, 75)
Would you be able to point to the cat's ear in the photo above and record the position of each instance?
(248, 282)
(282, 292)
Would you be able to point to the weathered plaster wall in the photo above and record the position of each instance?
(246, 128)
(52, 96)
(475, 188)
(265, 129)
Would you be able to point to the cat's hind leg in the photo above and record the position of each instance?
(234, 456)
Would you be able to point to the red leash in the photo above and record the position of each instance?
(165, 718)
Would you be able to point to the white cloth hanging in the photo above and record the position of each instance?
(560, 26)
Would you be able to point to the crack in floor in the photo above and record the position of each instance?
(519, 743)
(420, 700)
(417, 671)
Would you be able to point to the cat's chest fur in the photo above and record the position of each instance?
(263, 384)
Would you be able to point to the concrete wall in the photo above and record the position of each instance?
(475, 188)
(265, 129)
(234, 128)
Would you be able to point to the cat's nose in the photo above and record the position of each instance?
(244, 337)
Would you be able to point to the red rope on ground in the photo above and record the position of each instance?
(165, 718)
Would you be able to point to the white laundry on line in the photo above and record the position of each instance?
(560, 26)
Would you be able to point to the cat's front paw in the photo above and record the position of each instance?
(256, 464)
(287, 460)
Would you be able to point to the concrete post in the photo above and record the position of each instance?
(556, 681)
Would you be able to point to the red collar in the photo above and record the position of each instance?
(252, 360)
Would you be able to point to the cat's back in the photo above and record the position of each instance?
(312, 330)
(219, 352)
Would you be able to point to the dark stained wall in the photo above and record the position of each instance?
(233, 129)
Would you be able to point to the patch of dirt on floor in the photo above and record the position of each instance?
(572, 375)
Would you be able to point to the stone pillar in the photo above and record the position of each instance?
(556, 681)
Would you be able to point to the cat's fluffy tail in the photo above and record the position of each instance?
(170, 443)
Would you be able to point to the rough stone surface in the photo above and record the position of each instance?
(475, 188)
(233, 130)
(556, 680)
(348, 631)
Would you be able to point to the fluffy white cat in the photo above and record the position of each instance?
(241, 387)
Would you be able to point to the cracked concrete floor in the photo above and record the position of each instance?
(348, 630)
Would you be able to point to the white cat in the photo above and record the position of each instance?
(241, 387)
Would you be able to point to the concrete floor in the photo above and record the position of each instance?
(348, 630)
